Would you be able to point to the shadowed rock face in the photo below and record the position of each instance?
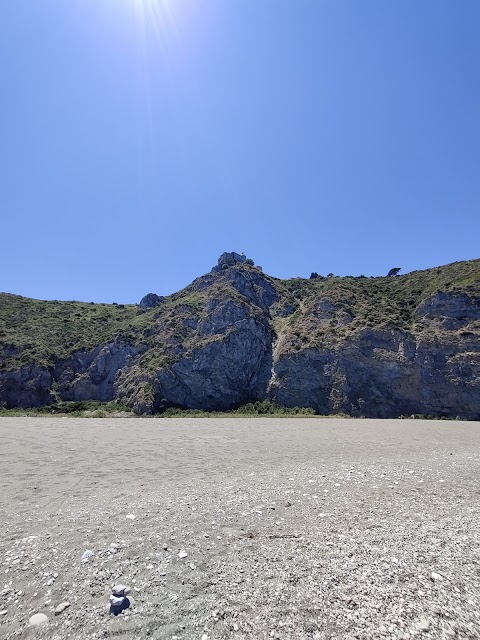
(28, 386)
(222, 374)
(91, 375)
(450, 311)
(382, 374)
(379, 349)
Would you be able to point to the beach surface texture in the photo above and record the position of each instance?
(239, 528)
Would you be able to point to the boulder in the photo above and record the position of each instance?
(150, 301)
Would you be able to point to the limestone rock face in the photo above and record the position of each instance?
(383, 374)
(221, 374)
(449, 311)
(91, 375)
(253, 286)
(229, 364)
(230, 258)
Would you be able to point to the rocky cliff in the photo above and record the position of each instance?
(376, 347)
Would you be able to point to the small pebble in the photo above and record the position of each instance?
(423, 625)
(120, 590)
(87, 555)
(61, 608)
(130, 516)
(37, 619)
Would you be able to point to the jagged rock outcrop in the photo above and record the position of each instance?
(382, 374)
(222, 373)
(381, 347)
(91, 375)
(228, 364)
(150, 301)
(228, 259)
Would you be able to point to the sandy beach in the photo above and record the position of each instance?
(292, 528)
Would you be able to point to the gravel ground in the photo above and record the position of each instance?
(289, 528)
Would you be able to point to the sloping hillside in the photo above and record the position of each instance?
(378, 347)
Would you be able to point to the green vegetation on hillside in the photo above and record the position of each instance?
(359, 302)
(41, 333)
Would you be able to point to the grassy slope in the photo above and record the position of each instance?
(41, 332)
(34, 331)
(370, 302)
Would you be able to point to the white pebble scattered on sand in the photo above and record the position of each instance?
(182, 554)
(423, 625)
(120, 590)
(259, 563)
(130, 516)
(61, 608)
(87, 555)
(37, 619)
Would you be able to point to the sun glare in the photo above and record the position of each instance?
(152, 13)
(155, 7)
(157, 15)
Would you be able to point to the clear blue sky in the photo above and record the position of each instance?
(139, 139)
